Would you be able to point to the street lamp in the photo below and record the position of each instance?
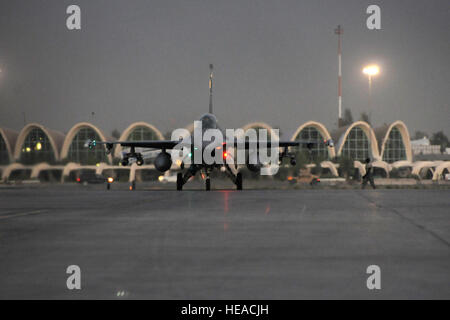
(370, 71)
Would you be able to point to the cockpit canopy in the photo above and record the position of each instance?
(209, 121)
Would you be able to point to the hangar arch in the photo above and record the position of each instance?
(259, 125)
(190, 128)
(138, 131)
(420, 167)
(74, 149)
(37, 143)
(396, 143)
(441, 169)
(358, 142)
(315, 131)
(7, 142)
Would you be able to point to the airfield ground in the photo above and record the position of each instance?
(223, 244)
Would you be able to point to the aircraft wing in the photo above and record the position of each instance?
(170, 144)
(151, 144)
(283, 144)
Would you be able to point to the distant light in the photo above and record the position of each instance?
(78, 179)
(160, 178)
(38, 146)
(290, 178)
(110, 179)
(371, 70)
(27, 149)
(97, 164)
(190, 154)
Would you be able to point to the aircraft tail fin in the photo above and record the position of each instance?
(210, 88)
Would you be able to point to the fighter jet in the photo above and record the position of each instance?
(208, 121)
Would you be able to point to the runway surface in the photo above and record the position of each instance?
(255, 244)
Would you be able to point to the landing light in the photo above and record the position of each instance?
(160, 178)
(110, 179)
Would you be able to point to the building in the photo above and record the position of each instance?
(424, 147)
(37, 149)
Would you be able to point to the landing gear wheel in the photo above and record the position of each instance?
(179, 181)
(208, 184)
(239, 181)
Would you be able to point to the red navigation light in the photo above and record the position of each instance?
(225, 154)
(78, 179)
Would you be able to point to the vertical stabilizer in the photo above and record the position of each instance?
(210, 88)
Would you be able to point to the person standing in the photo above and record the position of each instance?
(368, 177)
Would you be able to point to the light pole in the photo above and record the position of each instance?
(371, 71)
(339, 31)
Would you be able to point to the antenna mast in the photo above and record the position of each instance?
(339, 31)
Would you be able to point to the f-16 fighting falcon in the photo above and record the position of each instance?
(196, 144)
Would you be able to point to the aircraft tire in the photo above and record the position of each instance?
(179, 181)
(239, 181)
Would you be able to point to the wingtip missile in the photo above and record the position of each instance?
(90, 143)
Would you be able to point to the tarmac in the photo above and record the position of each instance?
(224, 244)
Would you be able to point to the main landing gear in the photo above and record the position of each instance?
(208, 183)
(238, 181)
(181, 180)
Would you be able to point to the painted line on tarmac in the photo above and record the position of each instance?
(21, 214)
(406, 218)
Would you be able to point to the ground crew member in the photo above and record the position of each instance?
(368, 177)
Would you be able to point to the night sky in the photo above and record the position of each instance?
(275, 61)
